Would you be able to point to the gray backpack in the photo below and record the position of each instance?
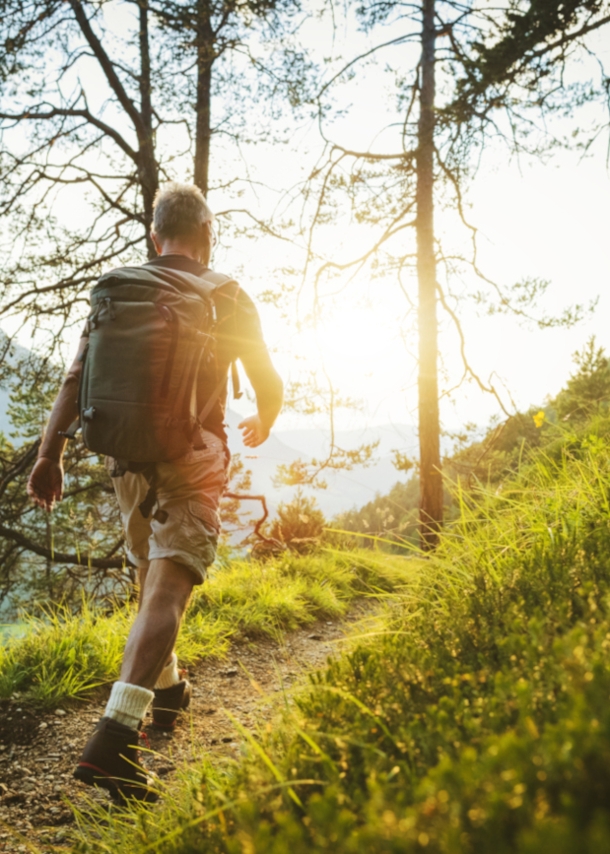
(151, 333)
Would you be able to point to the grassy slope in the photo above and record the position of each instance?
(62, 657)
(479, 722)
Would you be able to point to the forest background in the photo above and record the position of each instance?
(263, 105)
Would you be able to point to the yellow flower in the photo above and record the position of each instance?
(539, 418)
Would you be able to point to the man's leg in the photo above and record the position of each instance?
(110, 756)
(163, 601)
(142, 573)
(189, 489)
(170, 676)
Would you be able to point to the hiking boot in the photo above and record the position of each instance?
(110, 761)
(168, 702)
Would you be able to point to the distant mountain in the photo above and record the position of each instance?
(15, 354)
(5, 424)
(345, 489)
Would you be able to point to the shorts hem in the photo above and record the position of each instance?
(138, 562)
(189, 561)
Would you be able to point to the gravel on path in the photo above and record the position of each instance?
(38, 751)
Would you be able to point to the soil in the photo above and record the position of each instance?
(39, 750)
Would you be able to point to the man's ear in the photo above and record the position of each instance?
(206, 242)
(156, 241)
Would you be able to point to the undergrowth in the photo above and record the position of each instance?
(479, 721)
(63, 656)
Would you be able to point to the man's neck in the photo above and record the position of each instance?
(176, 247)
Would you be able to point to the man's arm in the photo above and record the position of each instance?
(45, 485)
(240, 336)
(269, 390)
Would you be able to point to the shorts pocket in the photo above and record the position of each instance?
(205, 514)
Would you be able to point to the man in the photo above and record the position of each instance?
(172, 555)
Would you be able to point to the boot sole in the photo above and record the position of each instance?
(91, 775)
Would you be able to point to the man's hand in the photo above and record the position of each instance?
(46, 483)
(254, 431)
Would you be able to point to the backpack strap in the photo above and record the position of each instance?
(72, 430)
(211, 401)
(237, 393)
(217, 280)
(150, 499)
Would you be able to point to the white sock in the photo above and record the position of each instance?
(128, 704)
(169, 675)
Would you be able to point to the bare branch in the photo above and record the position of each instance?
(59, 557)
(108, 68)
(85, 114)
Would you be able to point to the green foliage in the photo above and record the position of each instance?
(579, 408)
(63, 655)
(300, 523)
(477, 721)
(527, 49)
(588, 390)
(391, 517)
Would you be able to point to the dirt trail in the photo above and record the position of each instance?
(38, 751)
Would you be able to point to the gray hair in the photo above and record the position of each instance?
(179, 210)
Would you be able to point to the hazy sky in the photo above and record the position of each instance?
(541, 220)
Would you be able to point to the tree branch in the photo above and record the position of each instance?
(59, 557)
(19, 467)
(85, 114)
(108, 68)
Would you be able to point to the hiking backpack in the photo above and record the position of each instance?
(151, 333)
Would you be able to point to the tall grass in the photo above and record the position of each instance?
(63, 656)
(479, 721)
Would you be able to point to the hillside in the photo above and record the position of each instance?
(473, 716)
(477, 720)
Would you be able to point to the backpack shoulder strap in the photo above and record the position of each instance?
(216, 280)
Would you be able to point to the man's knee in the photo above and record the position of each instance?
(169, 582)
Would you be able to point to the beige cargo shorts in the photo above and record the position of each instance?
(189, 490)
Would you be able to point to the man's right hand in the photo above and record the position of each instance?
(254, 431)
(46, 482)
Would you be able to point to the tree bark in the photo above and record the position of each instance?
(431, 484)
(203, 116)
(147, 162)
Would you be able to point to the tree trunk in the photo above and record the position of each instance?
(147, 166)
(431, 484)
(203, 130)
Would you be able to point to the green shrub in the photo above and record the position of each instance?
(300, 524)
